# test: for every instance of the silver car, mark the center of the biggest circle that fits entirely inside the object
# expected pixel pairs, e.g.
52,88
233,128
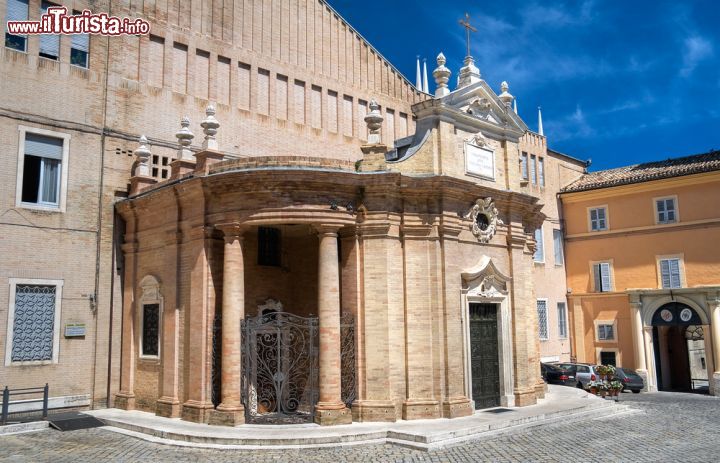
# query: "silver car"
584,373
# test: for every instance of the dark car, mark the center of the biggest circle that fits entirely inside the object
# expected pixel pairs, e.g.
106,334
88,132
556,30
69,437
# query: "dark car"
629,379
553,374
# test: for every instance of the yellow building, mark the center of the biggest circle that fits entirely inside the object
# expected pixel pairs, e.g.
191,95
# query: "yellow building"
643,270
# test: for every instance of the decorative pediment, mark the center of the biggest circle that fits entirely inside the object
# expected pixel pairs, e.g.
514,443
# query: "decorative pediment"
484,217
150,289
485,280
482,109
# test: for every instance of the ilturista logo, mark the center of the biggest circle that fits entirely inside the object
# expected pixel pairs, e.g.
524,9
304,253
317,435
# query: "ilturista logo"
58,21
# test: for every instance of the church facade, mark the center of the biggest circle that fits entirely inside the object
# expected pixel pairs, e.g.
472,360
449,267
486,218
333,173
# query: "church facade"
424,246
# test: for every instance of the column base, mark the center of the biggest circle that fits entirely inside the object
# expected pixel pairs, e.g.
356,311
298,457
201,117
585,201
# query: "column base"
195,411
540,389
524,397
125,400
168,407
374,410
227,416
715,384
421,409
328,414
457,407
644,375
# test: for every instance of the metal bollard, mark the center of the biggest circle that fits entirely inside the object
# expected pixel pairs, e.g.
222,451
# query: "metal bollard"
5,405
46,390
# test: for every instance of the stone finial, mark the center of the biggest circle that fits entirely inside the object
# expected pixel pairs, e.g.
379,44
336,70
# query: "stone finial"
210,126
142,154
469,73
374,120
442,76
185,138
504,96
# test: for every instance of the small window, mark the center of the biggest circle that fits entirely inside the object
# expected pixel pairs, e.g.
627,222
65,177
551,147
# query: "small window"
602,277
542,318
562,320
49,43
17,10
665,209
598,219
80,49
524,165
541,171
269,246
670,273
539,255
608,358
606,332
533,171
42,166
150,330
558,247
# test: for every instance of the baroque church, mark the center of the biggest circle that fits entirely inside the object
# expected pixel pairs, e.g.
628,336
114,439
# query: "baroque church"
341,245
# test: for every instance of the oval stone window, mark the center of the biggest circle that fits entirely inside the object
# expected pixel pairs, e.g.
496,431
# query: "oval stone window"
483,221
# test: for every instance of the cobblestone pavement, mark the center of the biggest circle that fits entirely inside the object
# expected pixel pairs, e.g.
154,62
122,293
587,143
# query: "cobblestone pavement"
668,427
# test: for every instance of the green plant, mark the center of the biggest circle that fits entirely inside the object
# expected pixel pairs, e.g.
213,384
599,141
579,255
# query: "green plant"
616,385
605,370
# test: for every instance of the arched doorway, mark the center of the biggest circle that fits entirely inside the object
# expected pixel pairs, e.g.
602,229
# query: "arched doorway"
679,349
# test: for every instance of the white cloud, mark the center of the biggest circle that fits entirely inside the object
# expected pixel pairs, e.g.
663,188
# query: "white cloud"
695,50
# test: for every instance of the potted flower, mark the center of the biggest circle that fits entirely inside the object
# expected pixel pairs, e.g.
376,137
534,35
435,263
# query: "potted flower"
615,387
593,386
603,388
605,371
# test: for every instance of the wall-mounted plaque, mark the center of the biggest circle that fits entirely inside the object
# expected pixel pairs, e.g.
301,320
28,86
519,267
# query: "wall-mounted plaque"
479,161
74,330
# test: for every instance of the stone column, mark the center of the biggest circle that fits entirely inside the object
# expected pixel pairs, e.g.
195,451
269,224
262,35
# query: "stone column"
231,412
330,409
125,398
649,348
638,339
714,306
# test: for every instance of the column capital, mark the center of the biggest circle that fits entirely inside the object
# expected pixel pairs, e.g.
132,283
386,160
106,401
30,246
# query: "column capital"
232,231
327,229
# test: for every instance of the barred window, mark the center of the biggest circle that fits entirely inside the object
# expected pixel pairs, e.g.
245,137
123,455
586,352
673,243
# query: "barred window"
150,330
33,322
562,320
542,318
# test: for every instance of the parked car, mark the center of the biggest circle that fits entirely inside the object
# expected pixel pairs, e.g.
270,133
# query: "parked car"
583,372
630,380
553,374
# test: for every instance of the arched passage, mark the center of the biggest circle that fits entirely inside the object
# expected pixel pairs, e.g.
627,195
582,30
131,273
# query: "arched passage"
679,348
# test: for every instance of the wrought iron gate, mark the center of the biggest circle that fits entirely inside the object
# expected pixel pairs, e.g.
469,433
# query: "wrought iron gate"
280,368
347,359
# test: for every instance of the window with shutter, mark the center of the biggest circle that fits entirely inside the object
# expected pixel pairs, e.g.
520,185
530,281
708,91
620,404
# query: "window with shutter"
539,255
665,210
558,247
17,10
42,165
80,49
670,273
598,219
606,332
49,43
602,277
562,320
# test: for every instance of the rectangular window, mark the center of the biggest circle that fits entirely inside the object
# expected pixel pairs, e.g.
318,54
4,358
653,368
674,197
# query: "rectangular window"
533,171
542,318
608,358
42,166
80,49
49,43
606,332
665,209
269,246
539,255
524,165
17,10
598,219
33,322
150,330
670,273
603,280
562,320
541,171
558,247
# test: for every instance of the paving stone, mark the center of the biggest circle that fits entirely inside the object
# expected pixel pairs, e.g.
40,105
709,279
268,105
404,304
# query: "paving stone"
668,427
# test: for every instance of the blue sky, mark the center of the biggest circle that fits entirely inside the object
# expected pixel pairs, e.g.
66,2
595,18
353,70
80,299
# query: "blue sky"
619,82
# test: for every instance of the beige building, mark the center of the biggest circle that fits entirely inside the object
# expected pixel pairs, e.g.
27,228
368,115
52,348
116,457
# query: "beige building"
286,80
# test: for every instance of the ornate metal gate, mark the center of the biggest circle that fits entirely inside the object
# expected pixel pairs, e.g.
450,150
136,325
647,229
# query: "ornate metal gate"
347,359
280,368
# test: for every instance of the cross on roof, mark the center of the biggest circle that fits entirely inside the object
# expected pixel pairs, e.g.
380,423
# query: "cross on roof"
468,28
